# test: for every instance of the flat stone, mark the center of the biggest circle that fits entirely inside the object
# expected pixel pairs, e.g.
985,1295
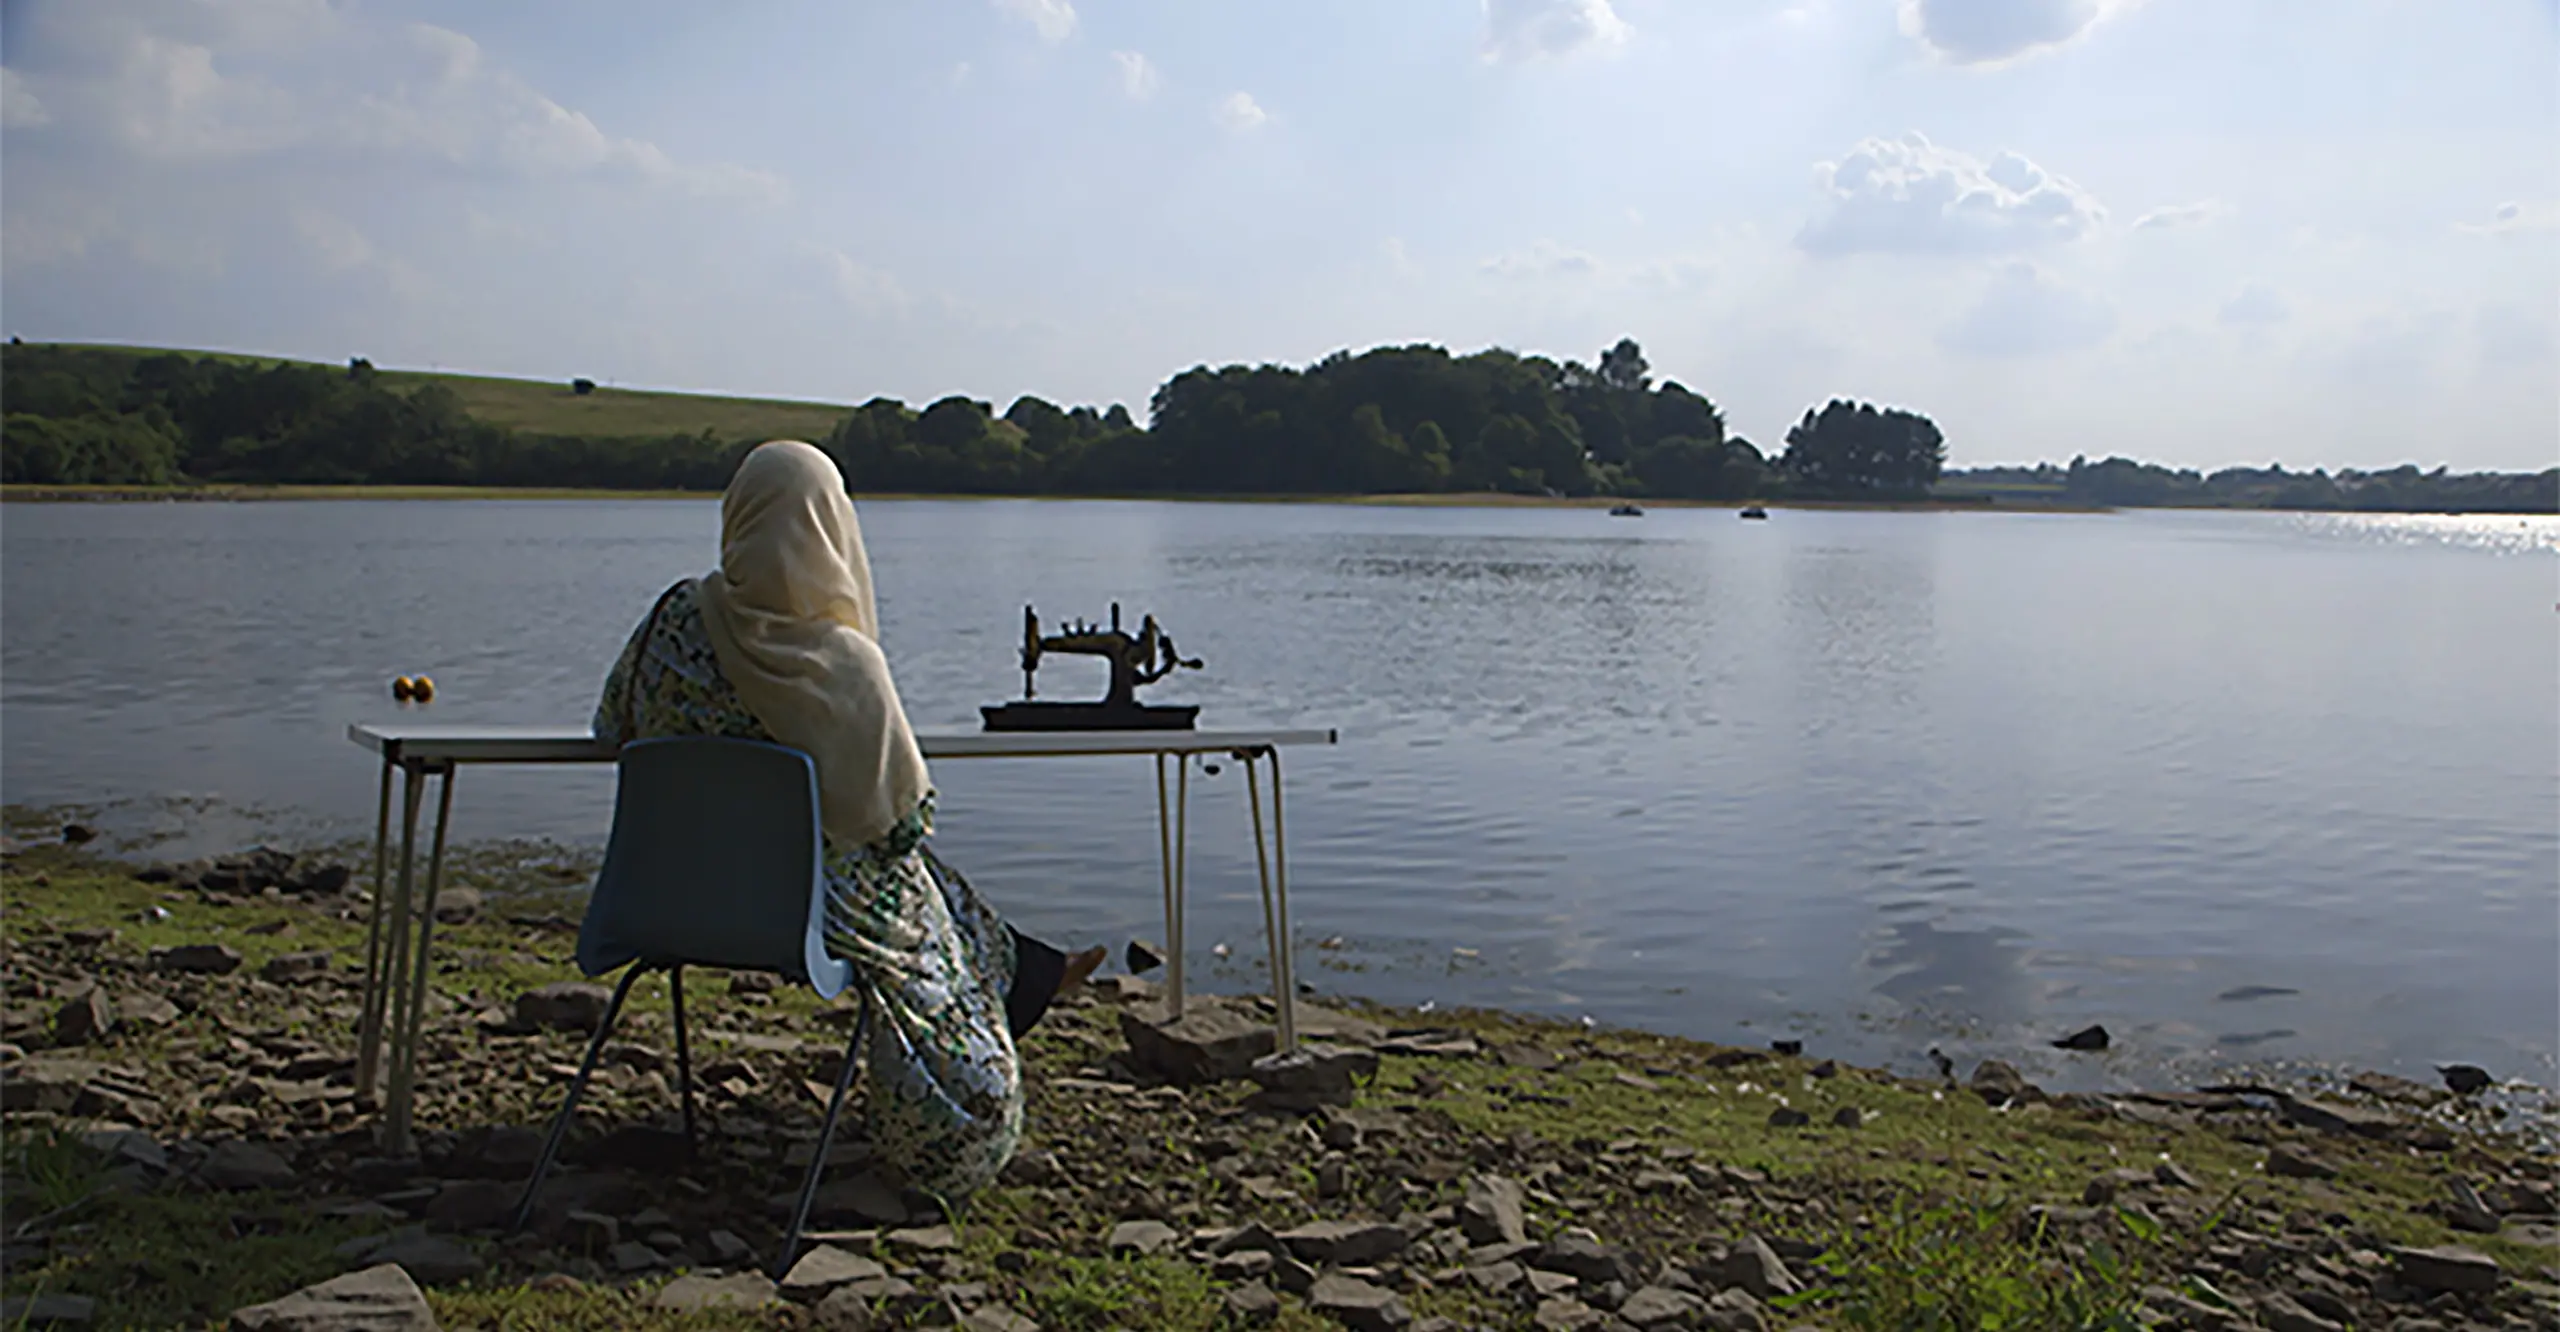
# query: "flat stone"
1495,1278
1734,1311
1313,1075
864,1197
197,959
1561,1314
2341,1117
1998,1083
633,1256
739,1290
926,1239
1253,1303
2447,1268
2282,1313
564,1006
295,968
848,1309
1213,1041
381,1298
235,1164
1752,1266
1145,1237
431,1260
2286,1162
457,905
1357,1304
48,1311
995,1318
1242,1265
1585,1257
826,1267
148,1010
1491,1212
125,1147
1344,1243
1655,1306
726,1247
1544,1283
473,1204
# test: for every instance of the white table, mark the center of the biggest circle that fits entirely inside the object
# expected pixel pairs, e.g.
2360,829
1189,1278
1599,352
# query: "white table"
396,949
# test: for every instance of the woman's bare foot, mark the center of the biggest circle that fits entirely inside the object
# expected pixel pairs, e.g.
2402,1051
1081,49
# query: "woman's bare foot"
1080,967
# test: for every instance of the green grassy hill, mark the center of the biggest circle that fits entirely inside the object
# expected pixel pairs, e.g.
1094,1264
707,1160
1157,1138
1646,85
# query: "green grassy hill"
549,407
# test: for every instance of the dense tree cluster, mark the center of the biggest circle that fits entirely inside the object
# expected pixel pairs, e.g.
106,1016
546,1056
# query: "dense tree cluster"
1391,420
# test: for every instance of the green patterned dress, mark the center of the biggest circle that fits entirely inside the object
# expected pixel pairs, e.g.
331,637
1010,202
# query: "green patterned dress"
944,1083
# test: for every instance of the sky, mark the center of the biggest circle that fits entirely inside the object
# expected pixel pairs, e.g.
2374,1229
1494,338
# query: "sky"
2200,232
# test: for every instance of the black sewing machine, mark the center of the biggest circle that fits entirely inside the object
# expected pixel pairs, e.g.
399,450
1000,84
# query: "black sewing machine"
1141,658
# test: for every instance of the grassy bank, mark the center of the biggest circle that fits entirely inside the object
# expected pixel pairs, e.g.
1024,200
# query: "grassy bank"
1642,1162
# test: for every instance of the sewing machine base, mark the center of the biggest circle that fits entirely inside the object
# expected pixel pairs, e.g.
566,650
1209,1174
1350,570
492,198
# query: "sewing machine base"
1091,717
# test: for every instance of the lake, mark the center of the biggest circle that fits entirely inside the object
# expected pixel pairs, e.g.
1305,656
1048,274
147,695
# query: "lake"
2276,791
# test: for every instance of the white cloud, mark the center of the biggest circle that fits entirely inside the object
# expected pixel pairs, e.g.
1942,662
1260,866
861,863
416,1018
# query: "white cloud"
2255,306
1542,260
1053,19
960,75
1397,258
2025,312
1994,32
19,108
1138,75
866,289
183,94
2174,216
1239,113
2541,215
1535,29
332,240
1909,195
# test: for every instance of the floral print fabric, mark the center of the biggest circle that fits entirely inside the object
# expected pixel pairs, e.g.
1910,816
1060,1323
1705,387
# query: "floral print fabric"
944,1084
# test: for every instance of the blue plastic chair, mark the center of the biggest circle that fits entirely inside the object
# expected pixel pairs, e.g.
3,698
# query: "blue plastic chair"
716,859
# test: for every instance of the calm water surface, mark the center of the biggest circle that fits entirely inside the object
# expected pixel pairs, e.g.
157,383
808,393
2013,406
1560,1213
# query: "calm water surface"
2245,788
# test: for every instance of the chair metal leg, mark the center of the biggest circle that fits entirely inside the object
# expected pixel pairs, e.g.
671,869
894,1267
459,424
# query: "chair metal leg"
577,1088
684,1052
853,1053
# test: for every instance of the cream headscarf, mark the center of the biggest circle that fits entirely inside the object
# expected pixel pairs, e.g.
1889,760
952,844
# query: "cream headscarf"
791,618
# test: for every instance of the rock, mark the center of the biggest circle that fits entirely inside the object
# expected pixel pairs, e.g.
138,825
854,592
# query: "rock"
824,1268
295,968
1314,1075
741,1290
1495,1278
1735,1311
2466,1211
124,1147
2170,1174
47,1311
457,905
2387,1087
2285,1162
1563,1314
1787,1116
1141,1237
2465,1079
148,1010
727,1248
1253,1303
1214,1040
1357,1304
563,1006
2446,1268
2087,1038
234,1164
1584,1257
1142,957
1848,1117
1998,1083
2341,1117
497,1151
86,1018
632,1256
2281,1313
864,1198
1252,1235
475,1204
1544,1284
1343,1243
197,959
322,880
1242,1265
924,1239
431,1259
996,1318
1491,1212
847,1310
1656,1306
1752,1266
381,1298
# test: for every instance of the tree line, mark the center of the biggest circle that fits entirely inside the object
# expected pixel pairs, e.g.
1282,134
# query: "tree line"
1408,419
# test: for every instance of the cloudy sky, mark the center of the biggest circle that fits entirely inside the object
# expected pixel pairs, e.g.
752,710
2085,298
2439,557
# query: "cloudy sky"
2317,232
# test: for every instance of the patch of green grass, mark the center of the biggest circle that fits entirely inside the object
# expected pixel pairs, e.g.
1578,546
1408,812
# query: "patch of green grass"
587,1309
1983,1266
184,1260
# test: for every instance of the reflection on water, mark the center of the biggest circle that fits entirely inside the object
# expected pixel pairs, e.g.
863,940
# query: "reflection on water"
1892,779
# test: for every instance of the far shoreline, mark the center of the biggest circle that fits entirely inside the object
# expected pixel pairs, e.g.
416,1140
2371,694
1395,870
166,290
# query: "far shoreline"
24,493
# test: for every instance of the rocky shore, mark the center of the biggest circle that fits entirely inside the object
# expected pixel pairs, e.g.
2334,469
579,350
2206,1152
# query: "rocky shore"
186,1148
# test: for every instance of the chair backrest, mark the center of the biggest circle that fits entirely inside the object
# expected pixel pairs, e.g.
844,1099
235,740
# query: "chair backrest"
717,860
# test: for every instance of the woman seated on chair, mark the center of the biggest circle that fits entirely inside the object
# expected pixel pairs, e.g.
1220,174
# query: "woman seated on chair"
781,644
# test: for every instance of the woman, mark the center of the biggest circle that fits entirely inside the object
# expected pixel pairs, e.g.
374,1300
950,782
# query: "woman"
781,644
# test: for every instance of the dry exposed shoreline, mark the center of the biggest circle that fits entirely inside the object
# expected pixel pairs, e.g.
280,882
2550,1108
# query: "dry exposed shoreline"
1439,1170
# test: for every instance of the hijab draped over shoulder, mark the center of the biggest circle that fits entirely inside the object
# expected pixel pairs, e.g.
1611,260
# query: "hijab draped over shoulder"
790,616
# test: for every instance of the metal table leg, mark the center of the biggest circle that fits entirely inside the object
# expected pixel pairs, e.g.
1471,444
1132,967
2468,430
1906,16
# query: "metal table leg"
369,1024
1173,827
1275,894
386,1008
404,1037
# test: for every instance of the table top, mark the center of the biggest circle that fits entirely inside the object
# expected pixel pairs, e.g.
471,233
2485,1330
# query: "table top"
464,743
